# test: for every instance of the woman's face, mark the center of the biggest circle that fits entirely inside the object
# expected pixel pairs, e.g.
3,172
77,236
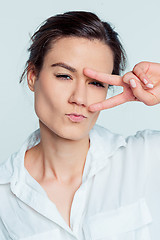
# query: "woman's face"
62,90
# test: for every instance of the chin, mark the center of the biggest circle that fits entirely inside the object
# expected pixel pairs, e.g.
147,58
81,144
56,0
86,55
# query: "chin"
73,133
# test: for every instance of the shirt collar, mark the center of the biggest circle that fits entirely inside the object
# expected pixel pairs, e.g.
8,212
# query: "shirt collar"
103,144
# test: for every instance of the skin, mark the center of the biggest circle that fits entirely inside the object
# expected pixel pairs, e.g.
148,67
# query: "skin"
60,156
141,84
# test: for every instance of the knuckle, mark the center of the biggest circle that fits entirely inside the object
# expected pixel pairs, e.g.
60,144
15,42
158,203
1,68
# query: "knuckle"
141,75
140,64
139,67
148,103
128,76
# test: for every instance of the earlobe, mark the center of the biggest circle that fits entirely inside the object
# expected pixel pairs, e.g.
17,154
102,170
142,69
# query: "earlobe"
31,78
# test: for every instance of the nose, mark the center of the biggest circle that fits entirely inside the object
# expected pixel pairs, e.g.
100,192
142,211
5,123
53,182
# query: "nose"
79,94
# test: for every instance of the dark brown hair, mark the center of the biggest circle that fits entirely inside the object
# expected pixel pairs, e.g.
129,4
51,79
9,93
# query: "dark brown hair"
77,24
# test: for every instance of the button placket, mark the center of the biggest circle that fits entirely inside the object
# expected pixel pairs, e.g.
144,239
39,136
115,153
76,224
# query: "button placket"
78,207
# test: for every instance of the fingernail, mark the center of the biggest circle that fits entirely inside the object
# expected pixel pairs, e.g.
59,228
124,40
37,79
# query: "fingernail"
132,83
149,85
145,81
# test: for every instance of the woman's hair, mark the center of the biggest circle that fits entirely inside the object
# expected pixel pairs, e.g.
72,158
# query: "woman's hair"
73,24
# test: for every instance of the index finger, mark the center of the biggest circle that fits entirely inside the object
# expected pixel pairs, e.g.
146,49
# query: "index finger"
109,103
104,77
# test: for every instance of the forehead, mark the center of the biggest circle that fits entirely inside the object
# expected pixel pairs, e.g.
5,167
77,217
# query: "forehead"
80,53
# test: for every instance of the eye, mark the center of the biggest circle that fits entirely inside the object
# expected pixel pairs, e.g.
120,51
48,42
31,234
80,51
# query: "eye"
63,76
97,84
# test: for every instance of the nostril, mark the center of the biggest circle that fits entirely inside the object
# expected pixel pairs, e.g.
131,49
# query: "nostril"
79,98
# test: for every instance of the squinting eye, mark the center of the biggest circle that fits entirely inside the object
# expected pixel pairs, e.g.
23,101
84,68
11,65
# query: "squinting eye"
63,76
97,84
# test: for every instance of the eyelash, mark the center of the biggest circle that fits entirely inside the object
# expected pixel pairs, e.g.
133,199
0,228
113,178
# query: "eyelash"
95,83
63,76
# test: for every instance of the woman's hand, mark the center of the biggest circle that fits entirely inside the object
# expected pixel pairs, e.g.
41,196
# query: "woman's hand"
141,84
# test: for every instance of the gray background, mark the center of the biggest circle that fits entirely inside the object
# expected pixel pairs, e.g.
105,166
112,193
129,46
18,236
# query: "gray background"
137,22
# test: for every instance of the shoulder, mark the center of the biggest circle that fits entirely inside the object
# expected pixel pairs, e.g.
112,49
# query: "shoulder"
12,166
7,169
148,140
105,142
142,136
141,143
104,134
145,135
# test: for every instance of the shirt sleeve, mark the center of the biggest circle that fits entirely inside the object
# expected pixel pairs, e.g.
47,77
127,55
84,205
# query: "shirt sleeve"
151,143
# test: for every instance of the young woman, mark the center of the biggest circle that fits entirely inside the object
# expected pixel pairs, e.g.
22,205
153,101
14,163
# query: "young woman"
73,179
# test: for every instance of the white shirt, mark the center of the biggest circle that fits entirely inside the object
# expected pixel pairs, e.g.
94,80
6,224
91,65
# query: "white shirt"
119,198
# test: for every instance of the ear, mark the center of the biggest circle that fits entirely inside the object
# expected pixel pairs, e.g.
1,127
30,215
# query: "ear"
31,77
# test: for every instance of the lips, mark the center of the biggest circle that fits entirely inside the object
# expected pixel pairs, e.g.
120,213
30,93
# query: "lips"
75,114
74,117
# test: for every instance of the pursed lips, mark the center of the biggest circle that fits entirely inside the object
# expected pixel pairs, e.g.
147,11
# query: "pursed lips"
76,118
75,114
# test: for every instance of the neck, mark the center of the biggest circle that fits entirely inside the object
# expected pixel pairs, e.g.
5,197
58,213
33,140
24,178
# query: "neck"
61,159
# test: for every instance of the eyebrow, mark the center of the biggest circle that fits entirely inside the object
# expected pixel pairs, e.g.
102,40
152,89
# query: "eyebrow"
64,65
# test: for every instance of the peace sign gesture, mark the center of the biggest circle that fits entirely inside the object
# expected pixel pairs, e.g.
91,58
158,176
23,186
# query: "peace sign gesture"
141,84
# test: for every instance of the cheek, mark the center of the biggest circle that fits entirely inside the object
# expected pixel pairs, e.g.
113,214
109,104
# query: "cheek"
96,95
48,99
93,119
